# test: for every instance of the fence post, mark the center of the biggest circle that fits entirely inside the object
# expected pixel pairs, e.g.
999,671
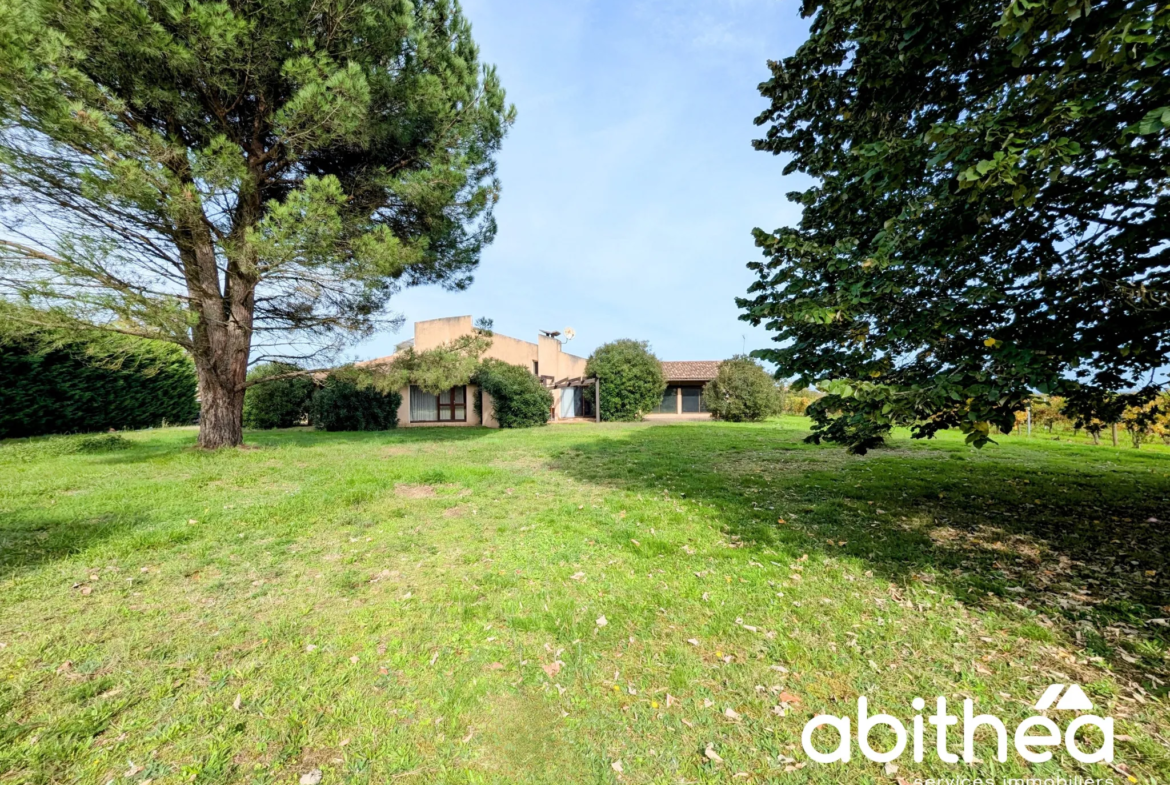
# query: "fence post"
1029,420
596,399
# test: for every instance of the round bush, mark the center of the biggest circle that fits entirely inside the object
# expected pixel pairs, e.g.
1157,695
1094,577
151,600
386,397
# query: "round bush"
280,403
520,400
631,379
742,391
342,404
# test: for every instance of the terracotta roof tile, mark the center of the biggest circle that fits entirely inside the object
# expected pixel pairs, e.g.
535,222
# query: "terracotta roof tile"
690,370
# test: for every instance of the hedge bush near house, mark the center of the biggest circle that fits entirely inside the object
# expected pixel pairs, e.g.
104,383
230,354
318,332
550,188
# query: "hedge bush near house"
346,403
280,403
631,379
56,383
520,400
742,391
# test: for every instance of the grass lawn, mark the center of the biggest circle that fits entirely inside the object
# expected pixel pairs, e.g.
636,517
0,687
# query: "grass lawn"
427,605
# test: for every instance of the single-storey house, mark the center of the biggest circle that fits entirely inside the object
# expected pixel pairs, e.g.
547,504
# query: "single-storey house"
684,389
562,373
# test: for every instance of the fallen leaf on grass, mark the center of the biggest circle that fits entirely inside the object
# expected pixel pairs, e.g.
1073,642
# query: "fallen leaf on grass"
788,697
711,755
496,666
731,714
133,771
578,576
311,778
693,641
602,621
553,668
238,701
891,769
616,766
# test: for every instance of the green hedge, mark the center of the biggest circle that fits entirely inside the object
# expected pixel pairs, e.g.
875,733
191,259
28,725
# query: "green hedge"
519,399
345,403
91,382
281,403
631,379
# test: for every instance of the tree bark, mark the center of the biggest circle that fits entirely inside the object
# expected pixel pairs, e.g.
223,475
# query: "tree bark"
221,338
221,410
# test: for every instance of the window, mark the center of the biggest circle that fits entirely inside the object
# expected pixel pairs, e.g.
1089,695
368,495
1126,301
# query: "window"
447,406
668,405
692,400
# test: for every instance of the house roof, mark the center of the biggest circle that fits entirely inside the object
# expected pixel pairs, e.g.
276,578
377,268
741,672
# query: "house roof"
690,370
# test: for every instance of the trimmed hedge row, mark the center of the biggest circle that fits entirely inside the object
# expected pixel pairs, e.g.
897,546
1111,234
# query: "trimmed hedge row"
91,383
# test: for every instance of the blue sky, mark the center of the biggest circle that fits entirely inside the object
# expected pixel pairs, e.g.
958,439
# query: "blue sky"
630,186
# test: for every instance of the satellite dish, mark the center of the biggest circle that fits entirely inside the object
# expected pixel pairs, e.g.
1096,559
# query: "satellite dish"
570,333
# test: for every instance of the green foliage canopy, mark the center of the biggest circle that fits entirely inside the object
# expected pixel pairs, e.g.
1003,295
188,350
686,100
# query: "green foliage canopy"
241,175
990,214
631,379
518,397
742,391
278,396
436,369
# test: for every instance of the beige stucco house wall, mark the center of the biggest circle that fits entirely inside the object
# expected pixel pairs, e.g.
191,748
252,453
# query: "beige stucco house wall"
545,358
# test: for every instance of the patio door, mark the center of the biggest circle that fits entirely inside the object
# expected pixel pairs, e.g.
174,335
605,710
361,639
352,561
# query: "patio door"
570,402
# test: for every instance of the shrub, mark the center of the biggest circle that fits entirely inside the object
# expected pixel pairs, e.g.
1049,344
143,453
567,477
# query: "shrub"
345,403
742,391
520,400
631,379
281,403
797,400
54,382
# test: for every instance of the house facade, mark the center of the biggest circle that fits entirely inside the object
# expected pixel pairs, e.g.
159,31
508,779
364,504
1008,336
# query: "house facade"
683,397
562,373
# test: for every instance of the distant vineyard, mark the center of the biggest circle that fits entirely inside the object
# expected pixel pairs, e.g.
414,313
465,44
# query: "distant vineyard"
1135,425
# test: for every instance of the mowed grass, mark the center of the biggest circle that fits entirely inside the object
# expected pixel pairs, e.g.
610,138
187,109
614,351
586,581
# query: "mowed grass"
424,605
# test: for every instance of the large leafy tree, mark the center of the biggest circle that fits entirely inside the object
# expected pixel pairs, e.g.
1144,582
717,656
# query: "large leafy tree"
989,214
249,179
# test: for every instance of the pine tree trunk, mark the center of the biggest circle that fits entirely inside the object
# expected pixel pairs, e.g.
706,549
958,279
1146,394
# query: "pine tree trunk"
221,341
221,411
